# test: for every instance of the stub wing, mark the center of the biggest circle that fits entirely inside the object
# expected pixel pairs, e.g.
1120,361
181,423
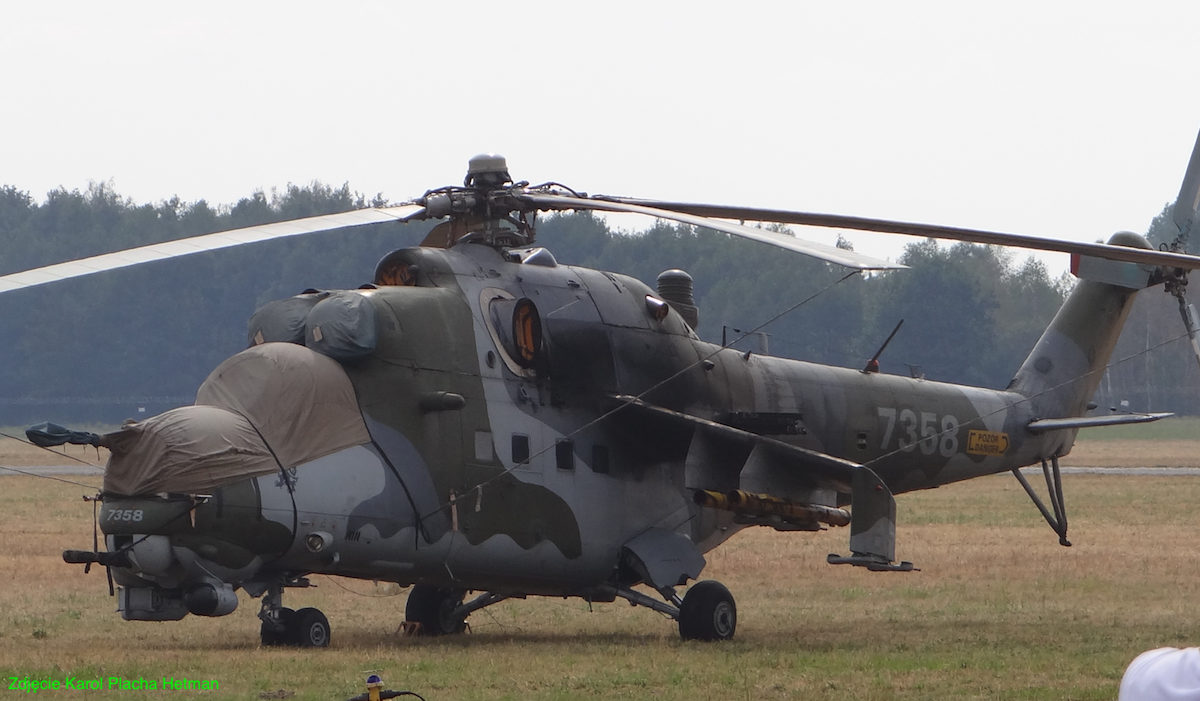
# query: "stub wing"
709,466
769,482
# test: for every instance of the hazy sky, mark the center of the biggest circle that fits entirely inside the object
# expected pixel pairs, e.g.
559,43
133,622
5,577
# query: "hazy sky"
1067,119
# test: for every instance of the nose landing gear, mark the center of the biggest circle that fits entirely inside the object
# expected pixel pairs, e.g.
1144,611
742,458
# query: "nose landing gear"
283,627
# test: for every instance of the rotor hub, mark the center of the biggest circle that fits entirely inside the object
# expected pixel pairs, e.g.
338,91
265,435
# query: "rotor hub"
487,170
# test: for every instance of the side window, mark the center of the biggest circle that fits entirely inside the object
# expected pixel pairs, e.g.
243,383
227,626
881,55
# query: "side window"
564,455
600,458
516,328
520,448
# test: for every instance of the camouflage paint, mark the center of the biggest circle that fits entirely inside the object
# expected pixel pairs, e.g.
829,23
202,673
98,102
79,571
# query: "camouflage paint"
442,496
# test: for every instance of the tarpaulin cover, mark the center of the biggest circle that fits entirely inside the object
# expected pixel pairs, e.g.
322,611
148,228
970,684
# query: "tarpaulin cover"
343,326
301,402
190,449
282,321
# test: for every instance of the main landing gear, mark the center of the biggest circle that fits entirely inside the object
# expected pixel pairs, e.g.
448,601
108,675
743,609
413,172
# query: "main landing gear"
707,612
441,611
283,627
434,609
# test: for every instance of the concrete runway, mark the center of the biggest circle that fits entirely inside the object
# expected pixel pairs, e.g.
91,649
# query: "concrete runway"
1143,471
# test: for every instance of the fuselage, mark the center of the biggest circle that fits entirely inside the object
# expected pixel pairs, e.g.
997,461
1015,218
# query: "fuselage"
499,457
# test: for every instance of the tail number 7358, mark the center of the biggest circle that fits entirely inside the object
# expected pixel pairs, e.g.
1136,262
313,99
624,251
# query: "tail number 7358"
924,431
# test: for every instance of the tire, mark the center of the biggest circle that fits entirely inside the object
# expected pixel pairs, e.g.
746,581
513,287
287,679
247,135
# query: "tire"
310,628
274,635
708,613
432,607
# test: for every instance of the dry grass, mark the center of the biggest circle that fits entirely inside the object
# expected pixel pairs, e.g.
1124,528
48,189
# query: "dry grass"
1000,611
1135,453
1173,442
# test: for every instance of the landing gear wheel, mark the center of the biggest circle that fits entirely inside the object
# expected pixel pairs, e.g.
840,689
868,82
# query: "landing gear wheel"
433,607
310,628
708,613
275,634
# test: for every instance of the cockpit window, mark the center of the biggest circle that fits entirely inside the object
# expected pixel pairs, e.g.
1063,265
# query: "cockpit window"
516,329
527,332
397,273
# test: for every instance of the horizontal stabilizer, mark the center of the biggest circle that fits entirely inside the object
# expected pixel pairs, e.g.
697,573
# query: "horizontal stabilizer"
1043,425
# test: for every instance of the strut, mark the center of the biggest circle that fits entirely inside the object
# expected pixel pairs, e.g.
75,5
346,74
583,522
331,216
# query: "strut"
1057,520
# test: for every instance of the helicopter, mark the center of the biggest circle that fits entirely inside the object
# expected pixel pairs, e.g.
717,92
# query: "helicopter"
482,418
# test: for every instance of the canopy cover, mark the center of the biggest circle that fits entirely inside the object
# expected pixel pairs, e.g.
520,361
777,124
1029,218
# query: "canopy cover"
282,320
276,398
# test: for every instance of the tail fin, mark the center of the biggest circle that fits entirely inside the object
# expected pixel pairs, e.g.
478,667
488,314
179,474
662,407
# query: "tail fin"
1060,376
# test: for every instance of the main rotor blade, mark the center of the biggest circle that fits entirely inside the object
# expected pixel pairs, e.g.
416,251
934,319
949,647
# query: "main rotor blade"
838,221
1184,212
830,254
207,242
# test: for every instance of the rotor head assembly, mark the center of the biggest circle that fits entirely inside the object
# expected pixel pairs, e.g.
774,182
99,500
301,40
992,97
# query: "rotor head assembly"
487,170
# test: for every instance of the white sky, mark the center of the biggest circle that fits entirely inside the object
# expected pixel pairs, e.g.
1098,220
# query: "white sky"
1067,119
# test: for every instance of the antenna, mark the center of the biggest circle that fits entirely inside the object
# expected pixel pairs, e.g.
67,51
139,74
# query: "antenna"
873,363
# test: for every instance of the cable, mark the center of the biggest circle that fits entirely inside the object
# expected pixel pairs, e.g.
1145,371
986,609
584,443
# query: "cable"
389,694
49,477
343,587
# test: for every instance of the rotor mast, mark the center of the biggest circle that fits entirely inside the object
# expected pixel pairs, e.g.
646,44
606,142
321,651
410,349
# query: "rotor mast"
484,210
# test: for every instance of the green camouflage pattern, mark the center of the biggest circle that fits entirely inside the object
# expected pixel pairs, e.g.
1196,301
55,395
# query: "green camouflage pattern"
526,459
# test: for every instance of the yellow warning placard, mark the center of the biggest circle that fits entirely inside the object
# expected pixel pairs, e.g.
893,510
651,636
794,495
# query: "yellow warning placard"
987,443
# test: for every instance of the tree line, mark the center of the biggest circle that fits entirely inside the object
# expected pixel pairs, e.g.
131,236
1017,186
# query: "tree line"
100,348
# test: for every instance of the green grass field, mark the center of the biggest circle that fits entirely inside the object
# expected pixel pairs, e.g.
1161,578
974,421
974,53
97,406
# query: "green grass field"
999,611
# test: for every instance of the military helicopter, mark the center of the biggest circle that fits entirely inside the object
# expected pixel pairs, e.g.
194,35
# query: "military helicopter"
482,418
